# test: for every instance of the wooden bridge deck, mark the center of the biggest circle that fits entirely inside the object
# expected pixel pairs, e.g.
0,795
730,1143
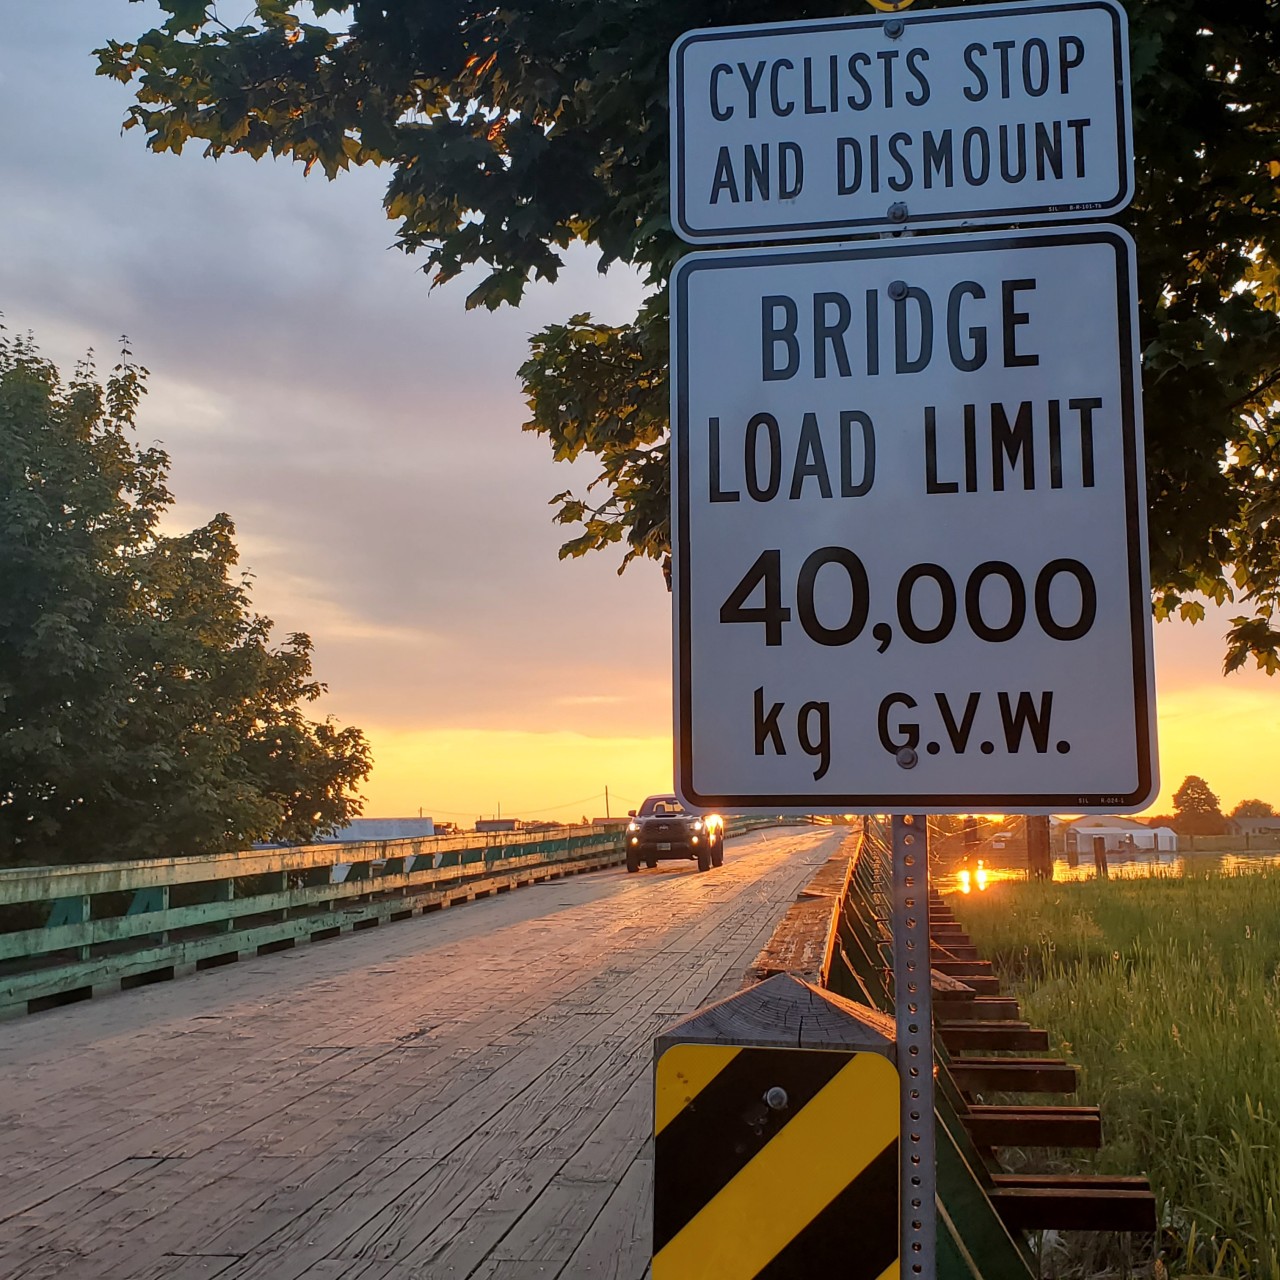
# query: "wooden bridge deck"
461,1095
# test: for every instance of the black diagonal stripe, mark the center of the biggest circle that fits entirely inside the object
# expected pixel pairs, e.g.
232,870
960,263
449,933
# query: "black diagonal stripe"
725,1125
855,1236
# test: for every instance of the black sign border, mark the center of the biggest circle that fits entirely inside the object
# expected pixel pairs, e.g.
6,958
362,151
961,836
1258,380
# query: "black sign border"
1139,596
981,216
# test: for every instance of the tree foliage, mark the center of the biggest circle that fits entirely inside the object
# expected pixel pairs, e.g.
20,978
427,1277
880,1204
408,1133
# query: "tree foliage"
511,131
1196,810
143,710
1253,809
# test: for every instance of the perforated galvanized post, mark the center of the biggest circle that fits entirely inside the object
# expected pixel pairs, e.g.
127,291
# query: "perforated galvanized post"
913,1010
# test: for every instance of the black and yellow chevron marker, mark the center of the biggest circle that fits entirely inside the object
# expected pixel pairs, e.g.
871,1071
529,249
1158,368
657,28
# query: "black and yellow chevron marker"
775,1164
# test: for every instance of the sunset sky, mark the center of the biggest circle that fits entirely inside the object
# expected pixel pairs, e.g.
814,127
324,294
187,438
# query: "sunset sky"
364,433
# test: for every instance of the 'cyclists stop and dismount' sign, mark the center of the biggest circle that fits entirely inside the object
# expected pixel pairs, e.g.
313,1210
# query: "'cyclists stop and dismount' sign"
987,114
909,534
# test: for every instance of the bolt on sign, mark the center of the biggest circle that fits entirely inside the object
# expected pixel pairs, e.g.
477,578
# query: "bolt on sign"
748,1184
910,564
999,113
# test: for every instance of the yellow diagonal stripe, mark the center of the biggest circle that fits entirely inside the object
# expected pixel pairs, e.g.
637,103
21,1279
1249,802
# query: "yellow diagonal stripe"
683,1072
812,1159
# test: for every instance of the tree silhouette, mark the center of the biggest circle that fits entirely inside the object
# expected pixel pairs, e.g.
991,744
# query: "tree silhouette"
1253,809
1196,810
144,711
511,130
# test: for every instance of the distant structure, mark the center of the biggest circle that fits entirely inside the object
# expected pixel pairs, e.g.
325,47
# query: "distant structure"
490,825
360,829
1253,826
1121,834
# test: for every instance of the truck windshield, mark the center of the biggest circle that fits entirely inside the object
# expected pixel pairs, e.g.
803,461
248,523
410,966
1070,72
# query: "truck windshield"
661,807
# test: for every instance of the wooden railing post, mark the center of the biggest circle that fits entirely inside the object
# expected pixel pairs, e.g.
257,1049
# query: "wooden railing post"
770,1107
1100,856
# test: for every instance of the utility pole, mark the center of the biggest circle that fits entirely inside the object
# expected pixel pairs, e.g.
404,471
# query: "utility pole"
606,800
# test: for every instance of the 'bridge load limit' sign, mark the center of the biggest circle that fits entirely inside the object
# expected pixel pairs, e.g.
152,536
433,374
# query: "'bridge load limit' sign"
908,524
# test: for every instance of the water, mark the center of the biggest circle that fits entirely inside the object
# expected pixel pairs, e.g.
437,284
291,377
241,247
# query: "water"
998,868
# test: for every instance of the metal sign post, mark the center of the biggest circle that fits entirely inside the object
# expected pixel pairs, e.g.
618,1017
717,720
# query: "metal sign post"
913,1010
908,503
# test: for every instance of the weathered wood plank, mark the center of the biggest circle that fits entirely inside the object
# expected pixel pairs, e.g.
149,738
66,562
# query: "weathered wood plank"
993,1126
988,1037
786,1012
516,1269
803,941
508,1044
1076,1209
617,1244
192,1266
832,879
1013,1075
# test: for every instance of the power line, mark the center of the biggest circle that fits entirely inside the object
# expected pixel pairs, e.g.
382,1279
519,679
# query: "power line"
568,804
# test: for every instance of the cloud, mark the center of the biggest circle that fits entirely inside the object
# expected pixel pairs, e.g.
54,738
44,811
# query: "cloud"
361,428
363,432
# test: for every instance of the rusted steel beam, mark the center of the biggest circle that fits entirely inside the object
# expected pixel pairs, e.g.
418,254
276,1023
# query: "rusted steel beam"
988,1037
983,1009
1076,1208
963,969
1077,1127
983,985
954,951
1013,1075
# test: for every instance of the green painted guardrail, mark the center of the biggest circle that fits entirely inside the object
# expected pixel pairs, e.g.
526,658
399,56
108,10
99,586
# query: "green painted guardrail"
69,932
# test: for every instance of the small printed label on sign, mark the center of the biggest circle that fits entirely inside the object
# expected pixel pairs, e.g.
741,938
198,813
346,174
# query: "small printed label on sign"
910,560
999,113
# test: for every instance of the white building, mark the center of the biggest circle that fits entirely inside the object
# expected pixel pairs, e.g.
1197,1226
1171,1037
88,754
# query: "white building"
1253,826
362,829
1121,835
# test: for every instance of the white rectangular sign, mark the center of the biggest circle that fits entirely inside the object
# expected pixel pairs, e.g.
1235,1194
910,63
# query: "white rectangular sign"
909,526
806,130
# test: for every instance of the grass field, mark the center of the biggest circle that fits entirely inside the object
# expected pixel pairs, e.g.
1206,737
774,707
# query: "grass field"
1167,993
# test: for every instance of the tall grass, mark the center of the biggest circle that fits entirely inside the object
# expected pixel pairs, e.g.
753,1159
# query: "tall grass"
1167,993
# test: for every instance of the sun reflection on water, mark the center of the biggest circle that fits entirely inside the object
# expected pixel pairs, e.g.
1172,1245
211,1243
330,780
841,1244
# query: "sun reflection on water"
1120,866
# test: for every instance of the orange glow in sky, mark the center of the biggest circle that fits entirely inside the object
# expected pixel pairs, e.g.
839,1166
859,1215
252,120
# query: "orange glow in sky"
1225,729
458,775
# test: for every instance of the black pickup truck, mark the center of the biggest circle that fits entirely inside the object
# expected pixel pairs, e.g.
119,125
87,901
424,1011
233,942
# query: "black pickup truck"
663,828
